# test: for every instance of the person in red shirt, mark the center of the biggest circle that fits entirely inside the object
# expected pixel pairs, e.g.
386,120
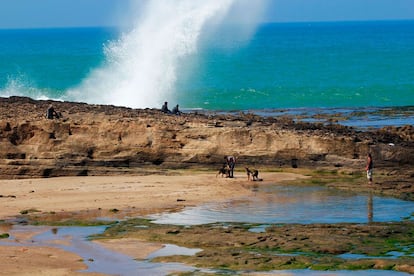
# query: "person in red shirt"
369,167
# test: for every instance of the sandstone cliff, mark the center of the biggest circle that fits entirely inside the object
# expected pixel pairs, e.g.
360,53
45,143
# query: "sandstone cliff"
99,140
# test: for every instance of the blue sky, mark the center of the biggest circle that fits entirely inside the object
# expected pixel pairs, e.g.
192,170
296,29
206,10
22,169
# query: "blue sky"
75,13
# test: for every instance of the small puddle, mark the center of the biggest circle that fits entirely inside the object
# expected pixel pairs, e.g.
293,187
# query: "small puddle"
171,249
295,204
389,255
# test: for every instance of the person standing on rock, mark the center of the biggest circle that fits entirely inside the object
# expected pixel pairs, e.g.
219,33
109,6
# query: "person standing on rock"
231,162
369,167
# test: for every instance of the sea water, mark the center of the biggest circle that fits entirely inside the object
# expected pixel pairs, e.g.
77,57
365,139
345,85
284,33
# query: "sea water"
291,65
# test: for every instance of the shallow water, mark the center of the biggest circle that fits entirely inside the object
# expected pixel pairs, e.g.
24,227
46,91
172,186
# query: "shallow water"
361,118
96,257
295,204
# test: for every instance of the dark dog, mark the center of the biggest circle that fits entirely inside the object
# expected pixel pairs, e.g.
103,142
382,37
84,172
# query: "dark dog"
224,171
252,175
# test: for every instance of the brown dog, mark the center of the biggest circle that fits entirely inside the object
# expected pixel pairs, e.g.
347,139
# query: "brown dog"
252,175
224,171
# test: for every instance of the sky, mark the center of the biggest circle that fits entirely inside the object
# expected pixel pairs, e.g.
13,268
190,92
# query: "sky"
87,13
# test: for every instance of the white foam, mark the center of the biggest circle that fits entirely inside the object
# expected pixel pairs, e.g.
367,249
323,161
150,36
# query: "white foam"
21,86
142,67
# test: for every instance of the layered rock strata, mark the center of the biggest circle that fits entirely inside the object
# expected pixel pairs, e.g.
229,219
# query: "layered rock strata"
102,139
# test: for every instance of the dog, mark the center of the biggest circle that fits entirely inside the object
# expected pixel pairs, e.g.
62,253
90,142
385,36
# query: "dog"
252,175
224,171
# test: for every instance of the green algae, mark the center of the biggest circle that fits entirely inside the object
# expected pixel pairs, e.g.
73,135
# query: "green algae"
81,223
53,219
231,246
28,211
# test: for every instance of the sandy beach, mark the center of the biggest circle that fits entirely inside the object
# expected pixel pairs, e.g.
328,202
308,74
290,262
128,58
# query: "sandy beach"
97,196
138,194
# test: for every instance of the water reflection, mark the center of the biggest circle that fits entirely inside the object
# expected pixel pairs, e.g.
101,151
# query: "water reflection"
295,204
370,208
171,249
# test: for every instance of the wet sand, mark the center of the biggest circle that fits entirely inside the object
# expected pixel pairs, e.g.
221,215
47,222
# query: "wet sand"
18,260
100,196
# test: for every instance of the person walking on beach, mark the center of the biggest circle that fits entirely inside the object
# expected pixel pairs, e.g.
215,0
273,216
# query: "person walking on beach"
231,162
369,168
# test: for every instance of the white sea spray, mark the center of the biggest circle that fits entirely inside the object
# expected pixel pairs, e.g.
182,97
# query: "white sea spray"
142,66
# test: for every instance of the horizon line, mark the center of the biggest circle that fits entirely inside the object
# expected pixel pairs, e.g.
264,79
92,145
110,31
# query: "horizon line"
260,23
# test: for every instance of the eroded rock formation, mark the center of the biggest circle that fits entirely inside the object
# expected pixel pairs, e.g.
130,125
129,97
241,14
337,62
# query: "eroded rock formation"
99,139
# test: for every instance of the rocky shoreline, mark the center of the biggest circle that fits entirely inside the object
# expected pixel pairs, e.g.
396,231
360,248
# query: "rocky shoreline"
110,140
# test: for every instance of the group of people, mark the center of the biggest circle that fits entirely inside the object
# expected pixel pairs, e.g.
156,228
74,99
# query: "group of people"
175,110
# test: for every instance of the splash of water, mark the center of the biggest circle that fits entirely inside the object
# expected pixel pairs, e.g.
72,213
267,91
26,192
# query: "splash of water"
141,67
22,86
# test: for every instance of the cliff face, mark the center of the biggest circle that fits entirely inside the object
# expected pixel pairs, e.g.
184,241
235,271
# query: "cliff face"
96,140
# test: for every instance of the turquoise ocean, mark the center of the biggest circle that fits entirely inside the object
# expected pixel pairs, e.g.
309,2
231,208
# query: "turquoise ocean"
281,66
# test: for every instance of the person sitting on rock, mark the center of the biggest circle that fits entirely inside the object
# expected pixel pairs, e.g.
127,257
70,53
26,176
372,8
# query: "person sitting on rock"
165,109
176,111
51,113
